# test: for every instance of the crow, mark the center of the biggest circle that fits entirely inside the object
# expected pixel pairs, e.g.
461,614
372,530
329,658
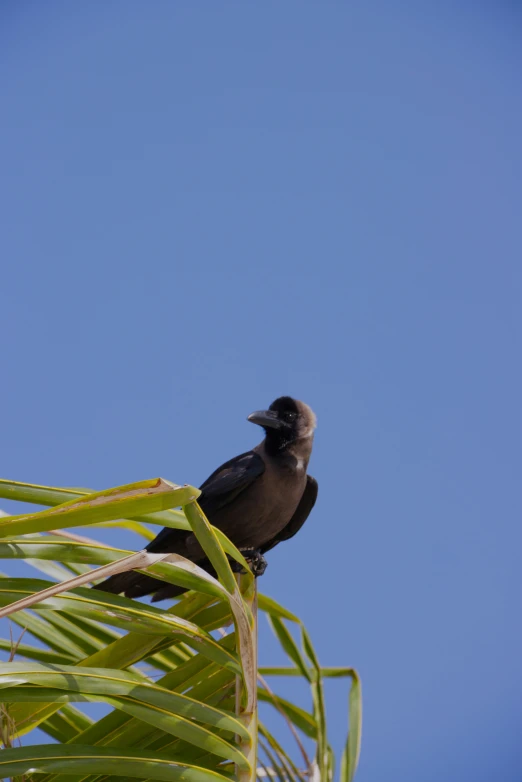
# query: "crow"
258,499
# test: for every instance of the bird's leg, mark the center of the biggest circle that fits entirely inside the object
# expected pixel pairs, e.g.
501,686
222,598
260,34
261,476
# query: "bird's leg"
258,564
256,560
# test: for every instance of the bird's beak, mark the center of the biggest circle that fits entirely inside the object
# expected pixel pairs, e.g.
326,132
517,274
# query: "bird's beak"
266,418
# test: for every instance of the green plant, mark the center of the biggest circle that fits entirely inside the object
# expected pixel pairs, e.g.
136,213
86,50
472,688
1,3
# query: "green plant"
182,684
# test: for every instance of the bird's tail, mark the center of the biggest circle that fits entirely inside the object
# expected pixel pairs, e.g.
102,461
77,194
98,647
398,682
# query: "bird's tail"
134,585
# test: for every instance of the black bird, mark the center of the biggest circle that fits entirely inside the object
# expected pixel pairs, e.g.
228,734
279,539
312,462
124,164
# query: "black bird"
257,499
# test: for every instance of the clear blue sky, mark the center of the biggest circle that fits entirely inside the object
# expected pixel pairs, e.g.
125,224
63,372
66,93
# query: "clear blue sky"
206,205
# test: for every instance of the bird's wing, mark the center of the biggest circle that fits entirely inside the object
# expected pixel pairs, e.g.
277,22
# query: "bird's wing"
220,488
301,514
229,480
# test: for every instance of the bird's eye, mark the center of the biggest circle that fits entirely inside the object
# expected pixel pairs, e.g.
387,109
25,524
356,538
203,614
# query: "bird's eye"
290,416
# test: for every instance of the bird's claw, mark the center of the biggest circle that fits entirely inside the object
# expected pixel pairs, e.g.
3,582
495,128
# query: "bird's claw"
255,559
258,564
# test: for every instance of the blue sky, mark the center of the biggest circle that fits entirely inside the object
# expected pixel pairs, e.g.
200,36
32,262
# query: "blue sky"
208,205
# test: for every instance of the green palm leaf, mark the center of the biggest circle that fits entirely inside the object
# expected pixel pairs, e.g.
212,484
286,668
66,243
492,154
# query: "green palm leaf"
182,703
76,758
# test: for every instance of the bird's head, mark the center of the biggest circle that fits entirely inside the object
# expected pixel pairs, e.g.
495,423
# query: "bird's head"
286,421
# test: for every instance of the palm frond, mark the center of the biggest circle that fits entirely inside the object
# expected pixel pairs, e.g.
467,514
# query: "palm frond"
182,703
